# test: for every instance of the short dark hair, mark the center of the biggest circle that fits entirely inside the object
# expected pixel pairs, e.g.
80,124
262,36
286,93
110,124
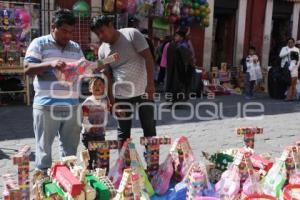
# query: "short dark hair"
100,21
93,81
290,38
63,16
181,33
252,48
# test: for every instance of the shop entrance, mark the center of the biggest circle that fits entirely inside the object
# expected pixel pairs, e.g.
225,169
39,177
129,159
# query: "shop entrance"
281,29
224,31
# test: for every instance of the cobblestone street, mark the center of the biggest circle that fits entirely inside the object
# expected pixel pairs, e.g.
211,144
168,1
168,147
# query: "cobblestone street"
280,123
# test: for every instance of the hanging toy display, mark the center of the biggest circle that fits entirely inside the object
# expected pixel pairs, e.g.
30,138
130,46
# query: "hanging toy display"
5,22
186,12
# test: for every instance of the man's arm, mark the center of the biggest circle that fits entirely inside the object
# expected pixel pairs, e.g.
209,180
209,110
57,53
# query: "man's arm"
284,52
146,54
108,74
38,68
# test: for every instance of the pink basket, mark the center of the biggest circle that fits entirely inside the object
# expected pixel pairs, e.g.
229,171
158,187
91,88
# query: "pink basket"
259,196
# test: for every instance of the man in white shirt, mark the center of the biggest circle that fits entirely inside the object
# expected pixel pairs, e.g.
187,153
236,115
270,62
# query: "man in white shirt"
285,52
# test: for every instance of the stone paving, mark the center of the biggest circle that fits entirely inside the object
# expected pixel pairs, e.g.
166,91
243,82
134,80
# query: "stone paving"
280,123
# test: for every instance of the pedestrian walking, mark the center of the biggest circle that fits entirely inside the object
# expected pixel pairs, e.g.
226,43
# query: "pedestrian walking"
163,60
285,52
294,66
179,68
252,69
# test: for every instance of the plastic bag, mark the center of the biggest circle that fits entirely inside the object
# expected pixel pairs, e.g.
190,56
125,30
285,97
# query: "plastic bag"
71,72
252,184
229,185
161,180
276,177
183,157
116,172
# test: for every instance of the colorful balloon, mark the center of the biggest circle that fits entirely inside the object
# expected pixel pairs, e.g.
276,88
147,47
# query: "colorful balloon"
196,5
25,19
202,14
81,8
185,11
206,21
207,10
190,20
197,19
202,2
202,8
197,12
191,12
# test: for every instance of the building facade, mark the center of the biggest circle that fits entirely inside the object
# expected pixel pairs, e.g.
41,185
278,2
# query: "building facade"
235,25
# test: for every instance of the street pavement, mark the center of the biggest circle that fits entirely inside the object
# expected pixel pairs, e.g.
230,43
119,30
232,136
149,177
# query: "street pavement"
279,120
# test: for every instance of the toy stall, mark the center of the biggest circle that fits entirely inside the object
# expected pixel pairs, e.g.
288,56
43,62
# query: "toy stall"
237,173
224,80
19,25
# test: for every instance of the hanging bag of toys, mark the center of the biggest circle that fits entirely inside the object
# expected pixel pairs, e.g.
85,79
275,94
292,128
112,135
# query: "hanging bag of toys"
229,185
183,158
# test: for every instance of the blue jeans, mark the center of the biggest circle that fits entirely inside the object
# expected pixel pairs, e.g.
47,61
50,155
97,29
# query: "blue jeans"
46,128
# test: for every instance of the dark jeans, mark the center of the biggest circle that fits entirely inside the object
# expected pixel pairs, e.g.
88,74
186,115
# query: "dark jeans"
146,117
249,86
86,138
161,75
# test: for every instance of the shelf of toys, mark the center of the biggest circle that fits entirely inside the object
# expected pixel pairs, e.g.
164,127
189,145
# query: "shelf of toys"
237,174
223,81
19,25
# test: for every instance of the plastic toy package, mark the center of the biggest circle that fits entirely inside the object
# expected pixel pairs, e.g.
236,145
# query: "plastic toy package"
73,70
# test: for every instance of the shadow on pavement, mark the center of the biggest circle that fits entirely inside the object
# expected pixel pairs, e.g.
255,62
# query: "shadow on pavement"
16,121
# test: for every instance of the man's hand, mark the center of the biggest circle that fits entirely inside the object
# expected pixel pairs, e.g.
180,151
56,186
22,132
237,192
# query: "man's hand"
58,64
150,90
99,69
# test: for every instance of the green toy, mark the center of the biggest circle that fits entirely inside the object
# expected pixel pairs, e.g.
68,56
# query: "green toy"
51,189
101,189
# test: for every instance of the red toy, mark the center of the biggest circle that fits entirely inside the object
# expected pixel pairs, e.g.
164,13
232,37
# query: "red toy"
66,180
259,162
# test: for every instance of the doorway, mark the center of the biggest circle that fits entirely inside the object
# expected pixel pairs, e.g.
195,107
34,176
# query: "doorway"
281,29
224,31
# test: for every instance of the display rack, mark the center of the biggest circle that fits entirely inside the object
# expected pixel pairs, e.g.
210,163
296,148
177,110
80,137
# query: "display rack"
19,25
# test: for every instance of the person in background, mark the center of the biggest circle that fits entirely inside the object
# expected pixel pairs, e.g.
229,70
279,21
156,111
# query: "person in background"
54,105
133,74
253,72
191,46
179,67
294,66
285,52
149,41
163,60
